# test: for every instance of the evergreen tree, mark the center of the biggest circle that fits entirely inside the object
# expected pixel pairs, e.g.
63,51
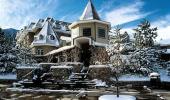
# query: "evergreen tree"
119,45
24,54
8,58
145,35
147,54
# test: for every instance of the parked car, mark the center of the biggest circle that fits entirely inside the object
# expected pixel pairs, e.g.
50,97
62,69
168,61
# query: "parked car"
154,75
155,80
168,71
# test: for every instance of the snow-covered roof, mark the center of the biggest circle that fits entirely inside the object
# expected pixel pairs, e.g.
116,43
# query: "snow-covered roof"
60,49
60,67
74,63
46,36
98,66
154,74
90,12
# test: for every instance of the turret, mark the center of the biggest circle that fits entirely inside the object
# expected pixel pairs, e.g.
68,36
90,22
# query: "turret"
90,29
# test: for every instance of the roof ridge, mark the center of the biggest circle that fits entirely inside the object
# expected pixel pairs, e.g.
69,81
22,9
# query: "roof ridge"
89,12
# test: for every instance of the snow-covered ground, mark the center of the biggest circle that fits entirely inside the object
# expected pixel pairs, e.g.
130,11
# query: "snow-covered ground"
128,77
114,97
8,76
164,76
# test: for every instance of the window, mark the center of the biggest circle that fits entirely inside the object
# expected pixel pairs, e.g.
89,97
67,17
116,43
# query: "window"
41,37
39,52
52,37
87,32
101,33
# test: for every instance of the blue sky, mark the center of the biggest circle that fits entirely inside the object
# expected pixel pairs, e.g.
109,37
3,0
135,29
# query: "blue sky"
128,13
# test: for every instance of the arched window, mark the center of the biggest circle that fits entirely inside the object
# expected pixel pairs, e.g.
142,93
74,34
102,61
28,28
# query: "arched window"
41,37
52,37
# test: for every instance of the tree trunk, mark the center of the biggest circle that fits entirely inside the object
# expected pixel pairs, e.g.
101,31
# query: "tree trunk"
117,86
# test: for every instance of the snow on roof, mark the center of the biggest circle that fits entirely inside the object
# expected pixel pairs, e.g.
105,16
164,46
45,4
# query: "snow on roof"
90,12
98,66
46,36
60,67
114,97
154,74
60,49
26,67
76,63
46,63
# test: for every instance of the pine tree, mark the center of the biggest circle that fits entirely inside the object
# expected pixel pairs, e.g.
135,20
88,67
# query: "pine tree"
145,35
147,54
8,57
117,46
24,54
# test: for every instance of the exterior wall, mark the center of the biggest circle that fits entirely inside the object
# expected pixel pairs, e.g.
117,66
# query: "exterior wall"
102,40
78,31
88,25
46,49
74,32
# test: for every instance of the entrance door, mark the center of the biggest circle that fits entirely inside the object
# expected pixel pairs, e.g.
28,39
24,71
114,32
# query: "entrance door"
85,54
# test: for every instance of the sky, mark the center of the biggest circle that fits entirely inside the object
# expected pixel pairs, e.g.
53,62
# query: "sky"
127,13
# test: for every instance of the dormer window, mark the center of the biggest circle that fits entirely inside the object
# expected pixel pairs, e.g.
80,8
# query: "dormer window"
101,33
86,31
41,37
52,37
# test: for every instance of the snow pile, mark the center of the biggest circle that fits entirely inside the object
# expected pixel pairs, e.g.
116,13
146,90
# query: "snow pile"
99,83
98,66
114,97
154,74
60,50
168,51
163,75
129,77
58,67
8,76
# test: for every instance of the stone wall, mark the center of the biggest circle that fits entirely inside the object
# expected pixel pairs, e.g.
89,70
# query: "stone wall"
61,72
70,55
77,66
25,73
99,55
102,72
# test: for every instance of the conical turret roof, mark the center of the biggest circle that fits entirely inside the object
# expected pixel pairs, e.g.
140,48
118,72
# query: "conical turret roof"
46,36
90,12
